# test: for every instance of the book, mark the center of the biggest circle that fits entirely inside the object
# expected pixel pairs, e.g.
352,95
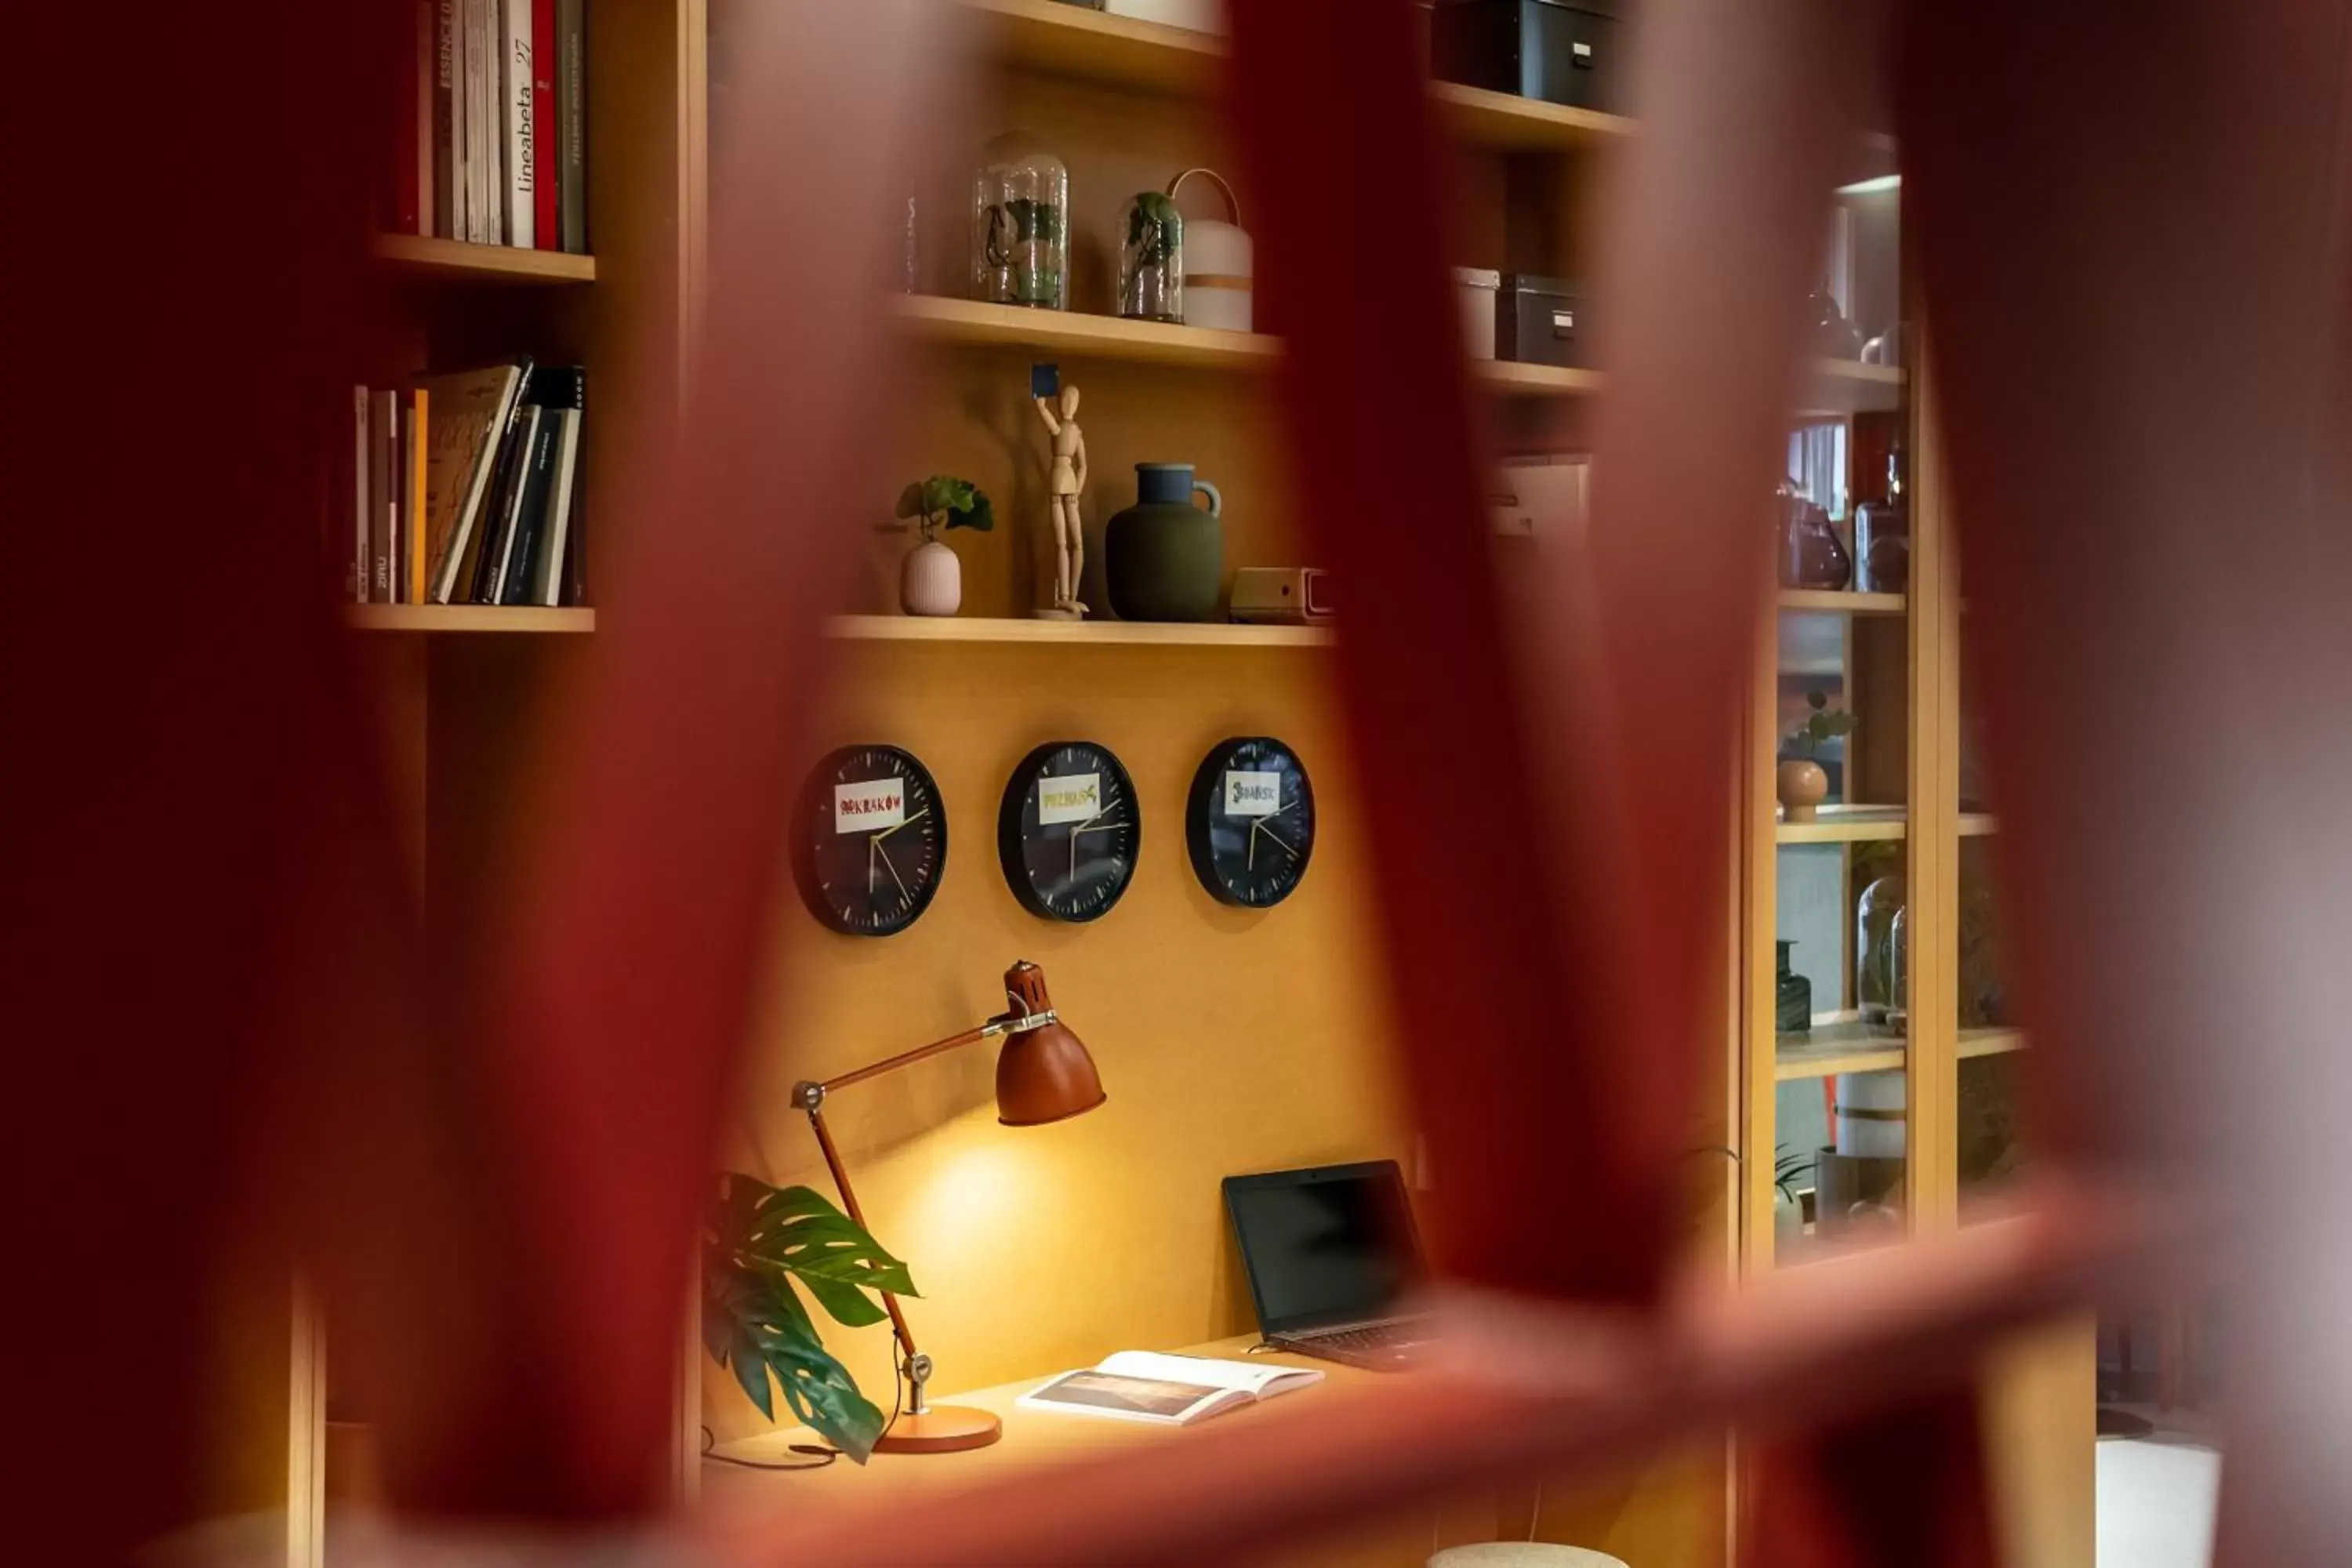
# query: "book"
546,222
514,118
506,497
572,124
418,146
470,412
395,499
448,146
401,215
551,573
1166,1390
359,523
479,71
383,424
414,490
531,508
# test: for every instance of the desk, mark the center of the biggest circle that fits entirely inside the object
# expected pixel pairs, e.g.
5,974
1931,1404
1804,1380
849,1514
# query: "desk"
1035,1438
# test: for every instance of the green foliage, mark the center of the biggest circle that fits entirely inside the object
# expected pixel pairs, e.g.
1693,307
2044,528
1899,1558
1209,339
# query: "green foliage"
1035,222
1154,229
945,502
1788,1169
757,1242
1819,727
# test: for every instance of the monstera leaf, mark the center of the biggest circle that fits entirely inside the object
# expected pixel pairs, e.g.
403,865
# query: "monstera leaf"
758,1241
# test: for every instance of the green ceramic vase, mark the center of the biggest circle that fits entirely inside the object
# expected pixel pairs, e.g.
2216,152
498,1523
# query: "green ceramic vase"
1164,558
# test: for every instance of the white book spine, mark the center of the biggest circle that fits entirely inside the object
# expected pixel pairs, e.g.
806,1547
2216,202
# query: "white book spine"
480,120
363,458
547,586
514,99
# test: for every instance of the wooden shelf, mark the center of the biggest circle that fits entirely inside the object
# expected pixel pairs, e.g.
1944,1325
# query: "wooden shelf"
1844,824
1057,39
1978,823
450,618
1990,1042
453,259
1839,602
1077,334
967,629
1827,1049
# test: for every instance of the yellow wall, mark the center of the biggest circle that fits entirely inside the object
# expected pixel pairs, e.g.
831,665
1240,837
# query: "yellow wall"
1228,1040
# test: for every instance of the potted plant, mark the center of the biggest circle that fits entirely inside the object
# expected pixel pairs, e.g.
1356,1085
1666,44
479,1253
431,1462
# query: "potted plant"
930,579
1799,781
1788,1207
758,1243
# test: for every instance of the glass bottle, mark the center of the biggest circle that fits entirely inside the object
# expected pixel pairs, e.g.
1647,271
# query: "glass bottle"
1152,259
1792,1010
1811,555
1877,972
1020,226
1882,533
1898,972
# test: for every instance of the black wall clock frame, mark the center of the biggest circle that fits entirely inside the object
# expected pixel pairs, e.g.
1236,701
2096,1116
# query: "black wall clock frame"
1072,870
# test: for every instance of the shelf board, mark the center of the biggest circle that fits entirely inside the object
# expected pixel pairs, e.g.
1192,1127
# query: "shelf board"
967,629
1844,824
1840,601
1827,1049
1057,39
1078,335
507,618
1977,824
1990,1042
487,263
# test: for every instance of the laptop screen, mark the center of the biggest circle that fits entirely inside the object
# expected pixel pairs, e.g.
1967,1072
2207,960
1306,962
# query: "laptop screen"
1333,1244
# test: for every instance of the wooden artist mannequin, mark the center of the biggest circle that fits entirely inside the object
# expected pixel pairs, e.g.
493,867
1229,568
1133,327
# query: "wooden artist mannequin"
1069,478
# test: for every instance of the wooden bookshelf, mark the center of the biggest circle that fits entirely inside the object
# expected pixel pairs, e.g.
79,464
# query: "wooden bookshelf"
1837,388
1978,823
1990,1042
980,629
469,619
456,261
1844,824
1829,1048
1838,602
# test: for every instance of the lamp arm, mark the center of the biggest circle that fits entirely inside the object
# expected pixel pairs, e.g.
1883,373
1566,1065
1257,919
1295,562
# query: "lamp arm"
849,1201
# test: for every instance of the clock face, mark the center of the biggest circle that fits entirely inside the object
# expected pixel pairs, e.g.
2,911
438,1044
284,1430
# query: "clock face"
1249,823
1068,831
869,840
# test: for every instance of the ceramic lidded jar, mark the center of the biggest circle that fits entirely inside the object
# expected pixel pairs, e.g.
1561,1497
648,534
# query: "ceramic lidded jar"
1164,558
1020,226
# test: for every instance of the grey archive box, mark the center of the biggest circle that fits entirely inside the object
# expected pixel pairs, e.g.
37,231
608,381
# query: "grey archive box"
1542,321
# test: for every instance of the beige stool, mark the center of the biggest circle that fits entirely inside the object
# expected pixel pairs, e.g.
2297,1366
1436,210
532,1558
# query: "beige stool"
1522,1554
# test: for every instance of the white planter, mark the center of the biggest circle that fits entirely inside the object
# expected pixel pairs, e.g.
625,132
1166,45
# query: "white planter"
1201,15
931,580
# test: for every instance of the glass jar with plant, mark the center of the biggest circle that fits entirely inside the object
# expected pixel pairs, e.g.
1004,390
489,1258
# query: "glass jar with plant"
930,579
1798,781
758,1243
1020,242
1151,260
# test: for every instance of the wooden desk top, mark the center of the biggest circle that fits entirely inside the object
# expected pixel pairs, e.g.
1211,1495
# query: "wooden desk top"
1032,1437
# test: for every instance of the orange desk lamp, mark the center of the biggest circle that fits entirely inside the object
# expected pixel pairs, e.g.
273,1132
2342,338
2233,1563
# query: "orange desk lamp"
1043,1074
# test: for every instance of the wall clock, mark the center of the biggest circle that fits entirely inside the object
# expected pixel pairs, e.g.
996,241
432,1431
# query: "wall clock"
1249,823
1068,831
869,840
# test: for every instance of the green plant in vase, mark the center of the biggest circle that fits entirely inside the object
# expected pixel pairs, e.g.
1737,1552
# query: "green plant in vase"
761,1246
930,579
1799,781
1037,252
1151,271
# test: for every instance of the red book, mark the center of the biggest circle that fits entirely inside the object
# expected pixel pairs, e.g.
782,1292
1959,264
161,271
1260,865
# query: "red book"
547,233
402,218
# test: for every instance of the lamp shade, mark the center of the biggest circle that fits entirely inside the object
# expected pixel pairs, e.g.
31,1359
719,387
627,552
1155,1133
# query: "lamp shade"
1043,1073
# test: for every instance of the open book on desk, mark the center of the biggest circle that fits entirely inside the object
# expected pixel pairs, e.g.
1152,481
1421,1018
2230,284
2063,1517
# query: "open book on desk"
1166,1390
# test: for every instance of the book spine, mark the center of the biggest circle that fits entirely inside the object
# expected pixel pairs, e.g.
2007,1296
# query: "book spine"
362,528
420,118
554,554
448,147
396,495
500,561
546,223
417,489
499,511
572,120
514,106
481,140
382,424
530,516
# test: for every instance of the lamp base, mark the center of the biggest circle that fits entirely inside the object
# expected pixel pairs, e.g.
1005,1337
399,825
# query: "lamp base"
941,1429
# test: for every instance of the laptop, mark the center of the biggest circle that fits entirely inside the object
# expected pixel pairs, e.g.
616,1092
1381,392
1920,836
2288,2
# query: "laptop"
1334,1265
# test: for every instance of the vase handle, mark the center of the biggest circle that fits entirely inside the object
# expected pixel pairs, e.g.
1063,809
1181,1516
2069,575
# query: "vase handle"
1216,501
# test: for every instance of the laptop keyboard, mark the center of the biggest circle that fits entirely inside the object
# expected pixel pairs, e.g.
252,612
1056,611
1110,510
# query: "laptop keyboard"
1377,1347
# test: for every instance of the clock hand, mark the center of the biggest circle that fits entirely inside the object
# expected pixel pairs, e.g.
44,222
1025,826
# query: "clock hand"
917,817
1095,827
1250,864
869,866
1270,833
877,842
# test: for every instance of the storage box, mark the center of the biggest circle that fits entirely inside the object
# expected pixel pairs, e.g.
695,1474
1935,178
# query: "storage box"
1561,53
1478,290
1542,321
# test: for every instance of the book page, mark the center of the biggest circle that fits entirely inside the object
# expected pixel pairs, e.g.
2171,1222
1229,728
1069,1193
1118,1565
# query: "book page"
1257,1379
1129,1398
